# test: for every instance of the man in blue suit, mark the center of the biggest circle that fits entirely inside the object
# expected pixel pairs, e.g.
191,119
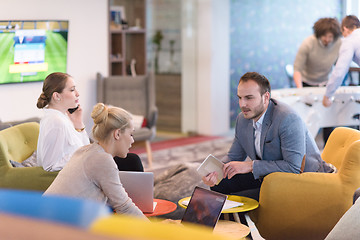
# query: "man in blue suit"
269,137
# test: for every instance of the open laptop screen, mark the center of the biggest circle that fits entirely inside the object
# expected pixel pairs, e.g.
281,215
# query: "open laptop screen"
204,207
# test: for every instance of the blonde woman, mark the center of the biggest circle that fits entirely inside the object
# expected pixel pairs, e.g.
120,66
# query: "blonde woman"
91,172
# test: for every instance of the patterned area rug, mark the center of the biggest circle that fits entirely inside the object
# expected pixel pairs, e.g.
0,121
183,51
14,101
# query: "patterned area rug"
175,175
187,153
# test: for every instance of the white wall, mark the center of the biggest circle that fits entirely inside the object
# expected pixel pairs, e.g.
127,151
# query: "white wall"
87,52
206,64
352,7
189,66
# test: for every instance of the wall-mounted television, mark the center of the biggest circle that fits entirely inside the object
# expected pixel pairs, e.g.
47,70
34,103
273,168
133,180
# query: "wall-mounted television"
31,50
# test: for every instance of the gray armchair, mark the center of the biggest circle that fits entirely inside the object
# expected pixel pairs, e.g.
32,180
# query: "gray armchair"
136,95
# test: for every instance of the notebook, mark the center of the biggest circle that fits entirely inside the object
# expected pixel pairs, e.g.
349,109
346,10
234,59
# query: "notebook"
204,207
140,188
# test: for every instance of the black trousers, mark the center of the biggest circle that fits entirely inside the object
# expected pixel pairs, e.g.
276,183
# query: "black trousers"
238,183
132,162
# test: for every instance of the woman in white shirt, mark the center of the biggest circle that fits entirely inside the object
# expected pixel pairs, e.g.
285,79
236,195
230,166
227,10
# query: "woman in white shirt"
61,133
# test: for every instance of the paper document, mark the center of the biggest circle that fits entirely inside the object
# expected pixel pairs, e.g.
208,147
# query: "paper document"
228,204
211,164
231,204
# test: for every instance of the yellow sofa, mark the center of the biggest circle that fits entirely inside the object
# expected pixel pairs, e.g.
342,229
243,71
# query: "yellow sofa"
308,205
17,143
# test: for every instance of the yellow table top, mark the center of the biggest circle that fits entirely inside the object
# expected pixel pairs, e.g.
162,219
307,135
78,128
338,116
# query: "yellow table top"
225,227
249,204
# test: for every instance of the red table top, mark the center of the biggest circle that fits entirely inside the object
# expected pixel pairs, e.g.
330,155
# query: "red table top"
162,207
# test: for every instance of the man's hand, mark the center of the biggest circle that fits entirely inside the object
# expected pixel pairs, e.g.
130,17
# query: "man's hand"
235,167
326,101
211,179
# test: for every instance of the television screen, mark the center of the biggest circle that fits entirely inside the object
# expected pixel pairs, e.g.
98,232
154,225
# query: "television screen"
31,50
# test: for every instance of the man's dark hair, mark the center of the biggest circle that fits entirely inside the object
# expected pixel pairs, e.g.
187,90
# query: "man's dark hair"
261,80
351,22
325,25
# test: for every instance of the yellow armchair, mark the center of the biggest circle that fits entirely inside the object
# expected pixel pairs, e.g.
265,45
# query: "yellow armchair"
17,143
308,205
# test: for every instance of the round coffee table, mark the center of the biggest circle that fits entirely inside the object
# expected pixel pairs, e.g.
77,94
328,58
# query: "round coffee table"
162,207
229,228
248,204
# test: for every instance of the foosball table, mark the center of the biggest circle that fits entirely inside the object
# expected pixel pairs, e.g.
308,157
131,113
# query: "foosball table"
307,102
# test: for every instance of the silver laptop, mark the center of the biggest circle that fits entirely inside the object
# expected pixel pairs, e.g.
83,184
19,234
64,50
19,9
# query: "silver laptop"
140,188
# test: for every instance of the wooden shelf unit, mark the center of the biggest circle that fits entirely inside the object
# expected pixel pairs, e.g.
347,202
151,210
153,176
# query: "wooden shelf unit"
130,43
168,101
